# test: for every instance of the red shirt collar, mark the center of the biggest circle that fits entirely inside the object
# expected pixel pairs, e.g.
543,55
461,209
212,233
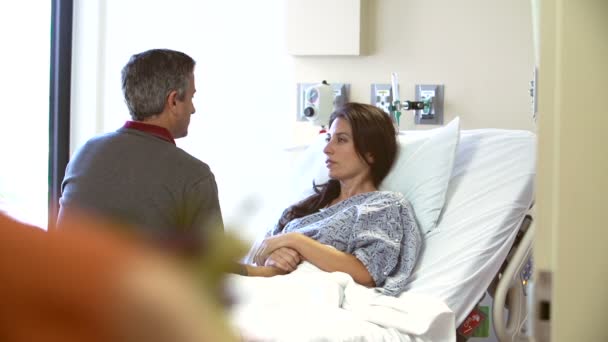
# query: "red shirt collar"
157,131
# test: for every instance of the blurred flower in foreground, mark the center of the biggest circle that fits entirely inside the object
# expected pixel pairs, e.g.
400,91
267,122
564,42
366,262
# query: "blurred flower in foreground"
83,283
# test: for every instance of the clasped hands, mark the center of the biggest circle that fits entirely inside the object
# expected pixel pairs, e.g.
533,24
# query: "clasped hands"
278,251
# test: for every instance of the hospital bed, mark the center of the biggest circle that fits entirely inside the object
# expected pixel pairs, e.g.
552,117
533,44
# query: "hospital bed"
481,244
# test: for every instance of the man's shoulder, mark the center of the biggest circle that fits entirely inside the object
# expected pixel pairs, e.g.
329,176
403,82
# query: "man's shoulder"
190,163
98,141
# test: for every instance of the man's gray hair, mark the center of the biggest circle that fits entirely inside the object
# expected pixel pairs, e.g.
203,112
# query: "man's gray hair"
150,76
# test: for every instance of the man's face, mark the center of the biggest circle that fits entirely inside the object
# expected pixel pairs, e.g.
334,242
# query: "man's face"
185,108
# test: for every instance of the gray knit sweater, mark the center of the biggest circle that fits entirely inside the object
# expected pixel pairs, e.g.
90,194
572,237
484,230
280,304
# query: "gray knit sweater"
144,181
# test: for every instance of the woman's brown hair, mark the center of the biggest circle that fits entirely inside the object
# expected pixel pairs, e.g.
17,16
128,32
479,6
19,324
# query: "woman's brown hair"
373,134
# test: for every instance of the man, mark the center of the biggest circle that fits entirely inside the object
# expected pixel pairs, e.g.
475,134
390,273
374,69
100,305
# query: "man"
137,175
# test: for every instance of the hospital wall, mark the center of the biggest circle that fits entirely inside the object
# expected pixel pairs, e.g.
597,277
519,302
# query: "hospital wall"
480,50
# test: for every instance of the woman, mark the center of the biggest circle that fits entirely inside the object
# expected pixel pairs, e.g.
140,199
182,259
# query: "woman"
348,225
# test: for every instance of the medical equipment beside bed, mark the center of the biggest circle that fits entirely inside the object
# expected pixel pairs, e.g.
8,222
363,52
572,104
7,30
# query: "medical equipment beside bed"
489,193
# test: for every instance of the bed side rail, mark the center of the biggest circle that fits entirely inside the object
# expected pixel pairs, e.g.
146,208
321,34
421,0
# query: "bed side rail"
511,289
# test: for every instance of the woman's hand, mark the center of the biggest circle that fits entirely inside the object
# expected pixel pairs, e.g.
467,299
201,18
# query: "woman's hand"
284,258
262,271
271,244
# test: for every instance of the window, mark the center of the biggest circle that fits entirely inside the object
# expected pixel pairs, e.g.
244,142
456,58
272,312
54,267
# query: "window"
24,142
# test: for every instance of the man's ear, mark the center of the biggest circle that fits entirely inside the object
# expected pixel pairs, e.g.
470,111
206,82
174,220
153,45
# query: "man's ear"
172,99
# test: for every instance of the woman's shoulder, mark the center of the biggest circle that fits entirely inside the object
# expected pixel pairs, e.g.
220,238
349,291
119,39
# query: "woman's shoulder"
387,196
387,199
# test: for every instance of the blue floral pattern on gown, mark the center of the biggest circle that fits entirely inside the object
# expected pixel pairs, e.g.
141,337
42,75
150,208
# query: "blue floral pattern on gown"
379,228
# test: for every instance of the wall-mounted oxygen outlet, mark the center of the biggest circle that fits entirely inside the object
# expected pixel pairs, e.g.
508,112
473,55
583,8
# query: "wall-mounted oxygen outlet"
381,96
341,91
433,114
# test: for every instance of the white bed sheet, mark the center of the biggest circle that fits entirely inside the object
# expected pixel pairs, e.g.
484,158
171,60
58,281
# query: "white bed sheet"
311,305
489,193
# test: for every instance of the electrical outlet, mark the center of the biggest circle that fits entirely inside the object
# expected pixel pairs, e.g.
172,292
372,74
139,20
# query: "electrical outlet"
341,91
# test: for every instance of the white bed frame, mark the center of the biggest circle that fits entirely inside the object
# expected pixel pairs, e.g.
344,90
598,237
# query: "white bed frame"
512,288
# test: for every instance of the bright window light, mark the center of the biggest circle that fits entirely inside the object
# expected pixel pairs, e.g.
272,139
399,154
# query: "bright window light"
24,142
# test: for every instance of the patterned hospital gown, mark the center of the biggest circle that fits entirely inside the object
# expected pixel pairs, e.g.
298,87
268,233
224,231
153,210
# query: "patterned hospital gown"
377,227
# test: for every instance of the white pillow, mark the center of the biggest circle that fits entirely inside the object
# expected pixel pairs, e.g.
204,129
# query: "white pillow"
421,171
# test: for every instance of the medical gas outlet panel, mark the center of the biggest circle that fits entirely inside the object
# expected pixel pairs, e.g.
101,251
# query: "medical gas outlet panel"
427,105
312,98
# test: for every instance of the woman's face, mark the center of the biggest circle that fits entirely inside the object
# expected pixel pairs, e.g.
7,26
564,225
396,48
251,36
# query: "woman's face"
343,161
